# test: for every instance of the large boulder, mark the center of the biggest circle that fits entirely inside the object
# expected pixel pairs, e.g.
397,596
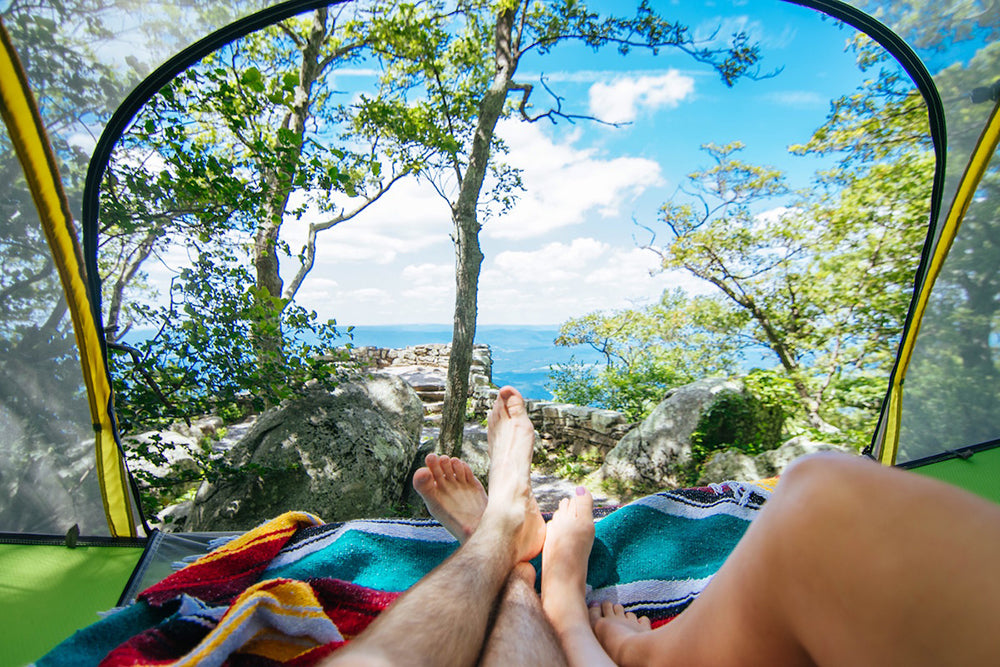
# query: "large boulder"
341,455
737,466
654,453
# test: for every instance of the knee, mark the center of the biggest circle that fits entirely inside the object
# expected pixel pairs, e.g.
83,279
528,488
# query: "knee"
826,487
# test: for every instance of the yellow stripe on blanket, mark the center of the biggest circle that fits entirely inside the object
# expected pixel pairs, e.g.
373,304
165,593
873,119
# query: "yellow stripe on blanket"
768,484
279,528
277,619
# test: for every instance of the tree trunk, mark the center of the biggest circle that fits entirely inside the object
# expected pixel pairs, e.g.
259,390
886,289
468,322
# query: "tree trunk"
278,176
125,276
777,345
468,254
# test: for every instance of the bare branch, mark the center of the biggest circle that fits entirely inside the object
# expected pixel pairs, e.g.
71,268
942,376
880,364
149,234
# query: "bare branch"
147,378
557,112
283,26
314,228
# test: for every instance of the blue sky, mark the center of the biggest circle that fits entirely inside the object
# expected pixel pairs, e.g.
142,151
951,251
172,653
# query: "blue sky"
568,247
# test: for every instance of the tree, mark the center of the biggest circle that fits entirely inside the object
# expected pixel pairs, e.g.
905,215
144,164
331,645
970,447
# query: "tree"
647,351
218,154
825,282
468,77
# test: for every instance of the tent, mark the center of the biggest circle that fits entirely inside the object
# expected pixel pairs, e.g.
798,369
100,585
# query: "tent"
72,534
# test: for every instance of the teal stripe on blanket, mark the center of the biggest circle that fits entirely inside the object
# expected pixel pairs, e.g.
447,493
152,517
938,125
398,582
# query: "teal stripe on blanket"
382,562
638,543
89,645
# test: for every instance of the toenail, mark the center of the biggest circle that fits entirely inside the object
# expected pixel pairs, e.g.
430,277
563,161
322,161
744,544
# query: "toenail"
580,490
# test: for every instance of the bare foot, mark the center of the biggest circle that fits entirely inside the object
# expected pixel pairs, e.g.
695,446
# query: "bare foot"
511,439
613,626
452,494
569,537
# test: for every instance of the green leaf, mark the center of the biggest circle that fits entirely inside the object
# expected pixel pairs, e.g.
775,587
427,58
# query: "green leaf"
252,79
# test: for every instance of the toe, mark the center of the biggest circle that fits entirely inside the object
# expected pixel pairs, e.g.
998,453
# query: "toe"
448,468
423,480
583,503
434,465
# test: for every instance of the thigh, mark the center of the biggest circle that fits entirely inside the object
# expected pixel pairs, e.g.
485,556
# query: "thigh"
849,563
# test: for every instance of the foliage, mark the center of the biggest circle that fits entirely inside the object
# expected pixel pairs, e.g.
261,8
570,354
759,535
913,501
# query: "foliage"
646,352
750,422
200,360
824,283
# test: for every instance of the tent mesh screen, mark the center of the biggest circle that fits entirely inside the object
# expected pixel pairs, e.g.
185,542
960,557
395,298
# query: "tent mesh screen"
951,398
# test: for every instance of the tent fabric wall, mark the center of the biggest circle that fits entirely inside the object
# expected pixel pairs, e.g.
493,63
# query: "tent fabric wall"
968,186
976,469
27,133
925,410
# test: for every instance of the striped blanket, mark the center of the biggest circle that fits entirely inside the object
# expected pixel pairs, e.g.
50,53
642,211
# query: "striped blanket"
294,589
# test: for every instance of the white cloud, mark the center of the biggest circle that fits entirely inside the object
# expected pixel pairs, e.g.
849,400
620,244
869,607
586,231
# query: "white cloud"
408,219
317,290
368,295
622,99
799,99
554,262
565,184
428,274
562,280
432,286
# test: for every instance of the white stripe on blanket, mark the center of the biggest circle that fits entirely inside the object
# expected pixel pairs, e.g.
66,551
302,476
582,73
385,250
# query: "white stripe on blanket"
650,593
423,531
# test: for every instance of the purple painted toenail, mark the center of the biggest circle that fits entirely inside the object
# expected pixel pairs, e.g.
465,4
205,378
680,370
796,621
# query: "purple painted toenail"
580,490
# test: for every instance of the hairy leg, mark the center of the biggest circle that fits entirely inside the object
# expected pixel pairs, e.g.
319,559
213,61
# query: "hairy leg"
849,563
568,540
521,634
443,619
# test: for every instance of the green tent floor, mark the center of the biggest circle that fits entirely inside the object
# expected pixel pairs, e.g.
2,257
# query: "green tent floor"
49,592
980,473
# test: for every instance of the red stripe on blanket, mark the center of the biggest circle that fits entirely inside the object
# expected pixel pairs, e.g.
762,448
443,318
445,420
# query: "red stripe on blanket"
224,574
351,607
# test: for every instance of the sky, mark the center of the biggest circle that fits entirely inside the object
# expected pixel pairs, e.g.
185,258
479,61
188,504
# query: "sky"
571,243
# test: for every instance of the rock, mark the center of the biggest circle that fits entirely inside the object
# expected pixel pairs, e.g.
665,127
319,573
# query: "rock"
652,454
341,455
199,428
173,518
730,464
735,465
179,451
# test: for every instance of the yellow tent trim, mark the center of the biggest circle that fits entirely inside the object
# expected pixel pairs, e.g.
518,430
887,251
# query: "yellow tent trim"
27,133
974,171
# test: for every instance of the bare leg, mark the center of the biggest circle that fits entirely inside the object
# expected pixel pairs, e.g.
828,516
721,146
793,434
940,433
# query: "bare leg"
568,540
850,563
443,619
520,635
